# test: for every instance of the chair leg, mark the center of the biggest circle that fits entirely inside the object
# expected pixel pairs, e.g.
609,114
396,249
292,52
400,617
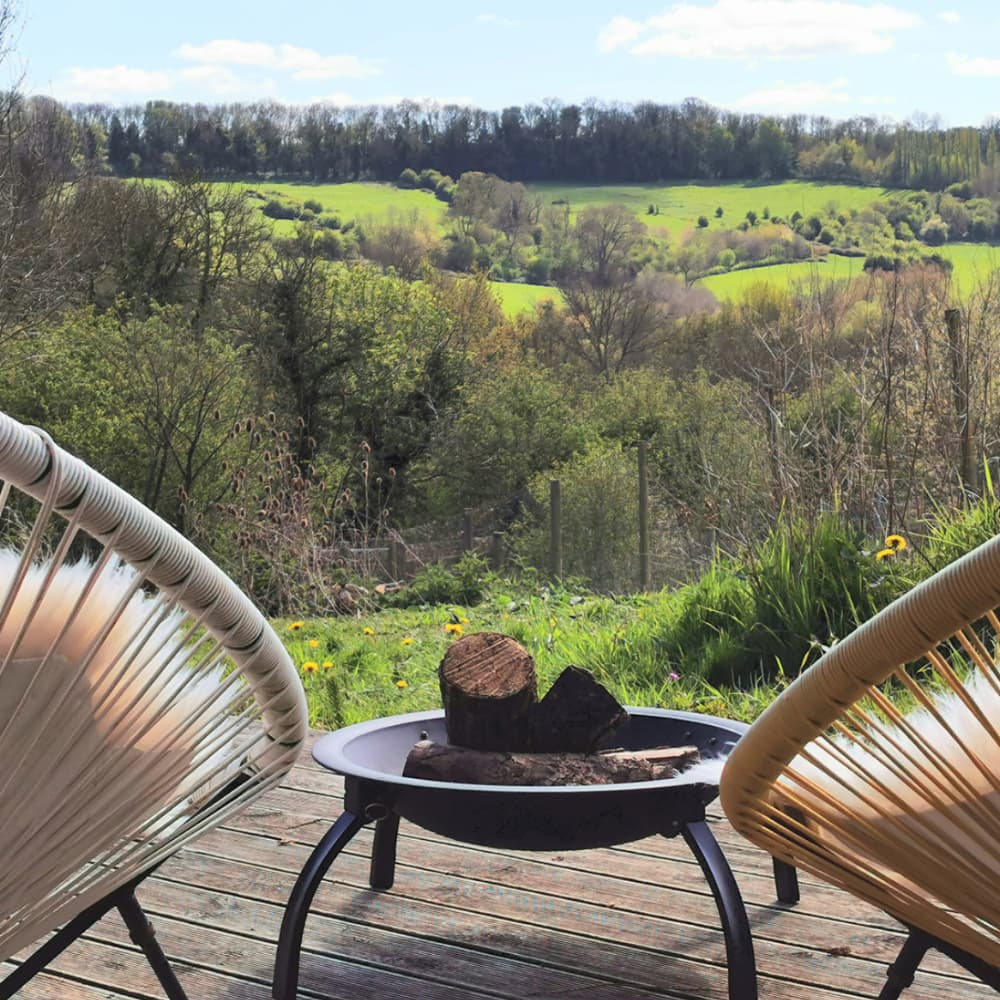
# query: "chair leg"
141,932
900,974
735,925
786,882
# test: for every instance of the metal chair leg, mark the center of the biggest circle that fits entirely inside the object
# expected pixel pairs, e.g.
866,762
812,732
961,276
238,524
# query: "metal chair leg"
141,932
383,867
900,974
735,925
786,882
286,965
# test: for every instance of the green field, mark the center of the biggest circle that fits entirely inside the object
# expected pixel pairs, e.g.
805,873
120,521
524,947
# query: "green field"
681,204
732,285
679,207
354,201
516,298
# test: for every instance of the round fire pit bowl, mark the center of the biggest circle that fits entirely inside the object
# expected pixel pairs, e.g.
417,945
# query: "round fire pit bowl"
371,756
531,818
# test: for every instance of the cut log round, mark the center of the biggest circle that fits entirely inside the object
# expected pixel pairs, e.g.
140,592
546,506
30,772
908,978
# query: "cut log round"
489,690
443,762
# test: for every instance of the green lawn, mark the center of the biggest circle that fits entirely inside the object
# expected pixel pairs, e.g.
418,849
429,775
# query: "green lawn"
732,285
973,263
681,204
517,298
355,201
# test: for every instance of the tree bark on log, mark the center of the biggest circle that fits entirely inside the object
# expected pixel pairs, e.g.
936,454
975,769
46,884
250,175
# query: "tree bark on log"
444,762
575,714
489,691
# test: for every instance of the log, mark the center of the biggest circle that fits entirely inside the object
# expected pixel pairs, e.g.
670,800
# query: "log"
575,715
444,762
489,690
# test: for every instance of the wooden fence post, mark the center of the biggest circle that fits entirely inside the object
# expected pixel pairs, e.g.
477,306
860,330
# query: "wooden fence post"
496,551
555,530
468,534
396,558
643,518
961,394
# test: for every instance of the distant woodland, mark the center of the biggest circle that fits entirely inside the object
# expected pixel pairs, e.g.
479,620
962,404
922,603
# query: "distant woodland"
592,142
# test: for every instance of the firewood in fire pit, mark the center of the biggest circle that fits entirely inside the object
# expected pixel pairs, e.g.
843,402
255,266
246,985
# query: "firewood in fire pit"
489,690
444,762
575,714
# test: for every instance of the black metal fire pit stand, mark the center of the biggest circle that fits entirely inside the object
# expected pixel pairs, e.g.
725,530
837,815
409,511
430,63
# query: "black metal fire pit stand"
368,801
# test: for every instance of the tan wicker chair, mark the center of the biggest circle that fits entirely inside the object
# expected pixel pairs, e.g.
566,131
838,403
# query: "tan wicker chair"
143,699
900,808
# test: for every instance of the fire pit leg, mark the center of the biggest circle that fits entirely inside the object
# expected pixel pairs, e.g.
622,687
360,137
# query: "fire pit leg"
286,965
383,869
735,926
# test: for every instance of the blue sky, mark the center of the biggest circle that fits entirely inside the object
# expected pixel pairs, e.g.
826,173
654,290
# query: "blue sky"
832,57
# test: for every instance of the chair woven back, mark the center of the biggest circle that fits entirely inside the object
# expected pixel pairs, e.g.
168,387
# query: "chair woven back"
879,768
143,698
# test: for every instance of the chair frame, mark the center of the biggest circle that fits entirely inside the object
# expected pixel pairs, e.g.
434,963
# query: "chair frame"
940,609
65,487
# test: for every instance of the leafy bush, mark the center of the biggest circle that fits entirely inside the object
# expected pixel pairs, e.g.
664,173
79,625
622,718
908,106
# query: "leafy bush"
313,206
464,583
408,179
275,209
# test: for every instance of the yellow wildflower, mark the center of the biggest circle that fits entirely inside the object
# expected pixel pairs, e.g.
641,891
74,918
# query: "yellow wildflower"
402,684
295,626
896,542
328,664
408,641
463,620
368,630
885,554
310,666
453,628
314,643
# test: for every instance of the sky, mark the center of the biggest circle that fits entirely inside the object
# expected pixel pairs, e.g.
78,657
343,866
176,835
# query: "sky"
836,58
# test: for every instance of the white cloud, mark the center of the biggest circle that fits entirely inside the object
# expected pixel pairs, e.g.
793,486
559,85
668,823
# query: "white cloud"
774,29
617,32
501,22
214,80
110,83
791,97
951,16
340,99
972,65
303,64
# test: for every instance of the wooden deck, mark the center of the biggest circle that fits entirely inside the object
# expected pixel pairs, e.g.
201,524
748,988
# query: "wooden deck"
464,923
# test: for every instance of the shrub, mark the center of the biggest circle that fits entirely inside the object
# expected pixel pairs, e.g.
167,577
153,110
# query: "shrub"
464,583
702,221
429,180
313,206
445,190
934,231
407,179
539,269
718,212
329,221
275,209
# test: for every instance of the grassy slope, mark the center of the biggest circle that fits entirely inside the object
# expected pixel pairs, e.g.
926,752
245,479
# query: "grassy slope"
681,204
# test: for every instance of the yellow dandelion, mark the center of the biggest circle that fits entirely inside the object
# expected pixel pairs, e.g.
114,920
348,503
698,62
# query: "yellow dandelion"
368,630
328,664
310,666
896,542
402,684
885,554
453,628
314,643
295,626
408,641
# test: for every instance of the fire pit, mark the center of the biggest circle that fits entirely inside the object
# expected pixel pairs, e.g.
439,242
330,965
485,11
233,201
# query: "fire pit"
371,756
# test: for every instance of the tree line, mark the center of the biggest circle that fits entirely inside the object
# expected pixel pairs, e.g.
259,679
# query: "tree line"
592,142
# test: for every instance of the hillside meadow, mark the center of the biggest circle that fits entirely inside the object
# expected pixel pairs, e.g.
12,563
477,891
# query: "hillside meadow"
678,208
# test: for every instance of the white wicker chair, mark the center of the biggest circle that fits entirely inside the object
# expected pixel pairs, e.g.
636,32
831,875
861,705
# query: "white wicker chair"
143,699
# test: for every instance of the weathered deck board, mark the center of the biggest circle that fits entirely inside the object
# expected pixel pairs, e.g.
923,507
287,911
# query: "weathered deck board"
464,923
